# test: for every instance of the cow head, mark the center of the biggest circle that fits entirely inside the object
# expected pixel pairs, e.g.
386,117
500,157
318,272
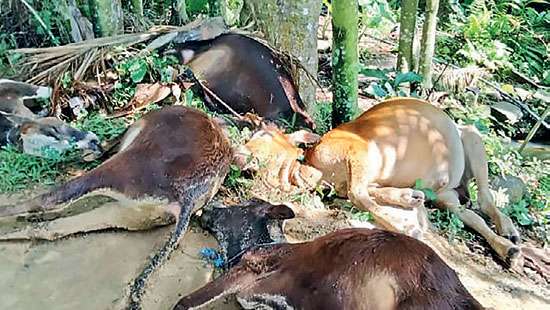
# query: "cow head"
238,228
49,133
275,156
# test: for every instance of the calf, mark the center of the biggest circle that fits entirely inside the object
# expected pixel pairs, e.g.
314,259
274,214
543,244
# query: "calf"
240,227
346,269
176,155
376,159
246,74
20,127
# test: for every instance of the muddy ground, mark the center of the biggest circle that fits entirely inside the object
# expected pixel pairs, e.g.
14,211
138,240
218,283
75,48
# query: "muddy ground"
93,270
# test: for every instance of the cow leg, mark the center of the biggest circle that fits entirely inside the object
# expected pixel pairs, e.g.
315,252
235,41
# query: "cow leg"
110,216
448,199
407,221
403,197
476,164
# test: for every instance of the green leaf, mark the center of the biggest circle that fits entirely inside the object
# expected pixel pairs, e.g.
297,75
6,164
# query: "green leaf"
430,194
374,73
378,90
138,69
524,219
406,78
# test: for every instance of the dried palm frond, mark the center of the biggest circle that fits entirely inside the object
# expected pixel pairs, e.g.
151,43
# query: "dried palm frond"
47,65
456,79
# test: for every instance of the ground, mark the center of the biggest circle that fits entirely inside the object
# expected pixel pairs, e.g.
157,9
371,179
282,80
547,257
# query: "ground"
93,270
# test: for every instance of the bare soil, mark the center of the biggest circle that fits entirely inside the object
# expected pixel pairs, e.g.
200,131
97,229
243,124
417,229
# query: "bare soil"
93,270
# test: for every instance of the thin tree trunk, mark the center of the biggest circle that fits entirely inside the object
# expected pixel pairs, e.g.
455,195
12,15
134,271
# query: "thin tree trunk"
108,17
345,60
137,7
291,25
428,42
405,60
181,11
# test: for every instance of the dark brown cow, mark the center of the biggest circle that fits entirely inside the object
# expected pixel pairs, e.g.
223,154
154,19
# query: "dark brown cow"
246,75
176,154
347,269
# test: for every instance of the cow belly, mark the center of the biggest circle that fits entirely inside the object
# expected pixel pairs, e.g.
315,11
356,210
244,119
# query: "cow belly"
438,166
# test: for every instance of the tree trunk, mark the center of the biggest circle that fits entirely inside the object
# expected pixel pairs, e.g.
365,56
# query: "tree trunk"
291,25
345,61
108,17
428,42
137,7
231,10
181,11
407,30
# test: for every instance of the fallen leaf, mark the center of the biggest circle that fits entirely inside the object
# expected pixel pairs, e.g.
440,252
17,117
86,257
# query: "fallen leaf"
149,93
176,92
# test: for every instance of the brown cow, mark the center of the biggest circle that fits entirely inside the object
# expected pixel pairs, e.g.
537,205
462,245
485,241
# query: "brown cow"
376,159
176,155
244,73
346,269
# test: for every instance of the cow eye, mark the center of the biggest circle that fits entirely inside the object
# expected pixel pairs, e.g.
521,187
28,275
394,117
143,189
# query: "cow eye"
52,132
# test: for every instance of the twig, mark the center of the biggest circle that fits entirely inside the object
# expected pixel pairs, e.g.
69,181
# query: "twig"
211,93
534,129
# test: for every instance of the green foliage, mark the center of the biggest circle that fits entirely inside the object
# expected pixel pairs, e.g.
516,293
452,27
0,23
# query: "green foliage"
19,170
8,60
155,67
105,129
449,224
389,83
375,14
357,214
53,14
236,179
148,68
322,114
428,192
502,35
204,7
519,212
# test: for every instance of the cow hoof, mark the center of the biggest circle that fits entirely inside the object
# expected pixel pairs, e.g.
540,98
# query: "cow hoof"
507,229
414,198
515,259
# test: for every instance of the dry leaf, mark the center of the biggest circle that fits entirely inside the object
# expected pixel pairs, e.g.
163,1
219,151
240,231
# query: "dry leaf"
149,93
176,92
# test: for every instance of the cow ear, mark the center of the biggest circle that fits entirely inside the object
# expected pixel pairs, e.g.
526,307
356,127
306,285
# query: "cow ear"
279,212
303,136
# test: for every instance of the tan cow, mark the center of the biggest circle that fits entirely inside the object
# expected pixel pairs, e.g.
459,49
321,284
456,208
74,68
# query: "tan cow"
376,159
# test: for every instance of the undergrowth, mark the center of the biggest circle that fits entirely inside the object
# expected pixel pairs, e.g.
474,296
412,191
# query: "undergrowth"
532,211
18,170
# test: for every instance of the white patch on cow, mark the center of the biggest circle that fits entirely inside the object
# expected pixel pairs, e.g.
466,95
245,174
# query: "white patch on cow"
43,92
131,135
187,55
263,301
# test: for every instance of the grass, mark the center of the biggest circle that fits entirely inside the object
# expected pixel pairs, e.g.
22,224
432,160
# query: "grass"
105,129
449,225
19,170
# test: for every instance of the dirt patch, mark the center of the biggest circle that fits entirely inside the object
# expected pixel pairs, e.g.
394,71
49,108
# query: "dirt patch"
93,271
492,285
